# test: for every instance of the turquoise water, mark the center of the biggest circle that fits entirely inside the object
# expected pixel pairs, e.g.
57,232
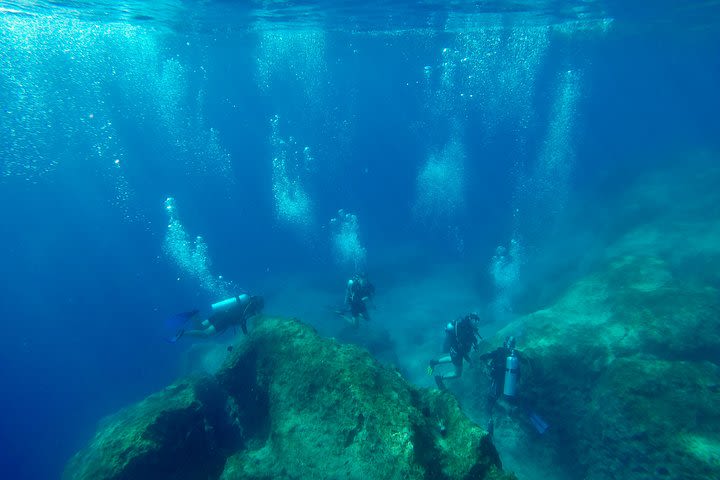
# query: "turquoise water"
159,156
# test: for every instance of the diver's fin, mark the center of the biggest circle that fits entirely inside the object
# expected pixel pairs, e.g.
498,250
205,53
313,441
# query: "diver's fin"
176,337
339,310
540,425
179,320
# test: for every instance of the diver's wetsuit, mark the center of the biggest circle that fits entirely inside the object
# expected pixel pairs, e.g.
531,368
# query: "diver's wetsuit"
359,289
497,369
497,362
461,337
237,314
234,315
358,307
459,340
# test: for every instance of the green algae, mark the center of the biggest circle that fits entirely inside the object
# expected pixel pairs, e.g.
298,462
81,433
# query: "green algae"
175,433
288,404
625,369
336,413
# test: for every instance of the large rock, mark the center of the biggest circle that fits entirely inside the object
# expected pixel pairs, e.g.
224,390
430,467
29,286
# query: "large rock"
331,411
624,364
624,367
182,432
289,404
622,361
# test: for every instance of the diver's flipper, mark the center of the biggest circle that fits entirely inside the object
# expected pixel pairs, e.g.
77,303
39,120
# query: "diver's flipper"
178,324
177,336
349,319
540,425
178,321
342,311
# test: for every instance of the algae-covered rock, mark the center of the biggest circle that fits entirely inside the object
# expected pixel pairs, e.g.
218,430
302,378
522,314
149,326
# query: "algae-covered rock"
624,367
654,419
333,412
289,404
177,433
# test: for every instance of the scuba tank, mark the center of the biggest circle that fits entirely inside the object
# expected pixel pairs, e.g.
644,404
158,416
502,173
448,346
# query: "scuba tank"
512,366
228,302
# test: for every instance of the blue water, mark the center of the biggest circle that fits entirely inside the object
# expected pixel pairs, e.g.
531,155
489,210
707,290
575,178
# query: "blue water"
447,132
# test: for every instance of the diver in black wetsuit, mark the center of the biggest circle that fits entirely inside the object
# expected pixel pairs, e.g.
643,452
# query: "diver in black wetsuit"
237,315
358,292
504,366
461,336
496,362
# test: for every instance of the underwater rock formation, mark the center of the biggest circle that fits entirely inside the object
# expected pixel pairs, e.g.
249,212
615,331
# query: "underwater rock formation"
624,367
625,364
179,432
290,404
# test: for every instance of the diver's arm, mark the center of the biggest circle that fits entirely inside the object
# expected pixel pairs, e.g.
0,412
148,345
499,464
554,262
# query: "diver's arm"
369,303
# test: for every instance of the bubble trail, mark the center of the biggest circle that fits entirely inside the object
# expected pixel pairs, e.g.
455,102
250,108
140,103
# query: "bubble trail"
191,255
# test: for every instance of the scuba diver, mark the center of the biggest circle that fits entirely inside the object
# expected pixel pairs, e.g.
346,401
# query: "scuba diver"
461,336
234,311
504,369
358,292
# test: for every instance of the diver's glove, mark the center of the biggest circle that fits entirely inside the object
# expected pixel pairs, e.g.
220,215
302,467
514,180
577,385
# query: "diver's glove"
431,366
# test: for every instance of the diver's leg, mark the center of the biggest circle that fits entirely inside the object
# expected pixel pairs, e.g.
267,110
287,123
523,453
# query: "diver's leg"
499,384
494,393
352,320
445,359
431,369
364,312
458,363
204,333
344,315
355,314
440,379
205,324
434,363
